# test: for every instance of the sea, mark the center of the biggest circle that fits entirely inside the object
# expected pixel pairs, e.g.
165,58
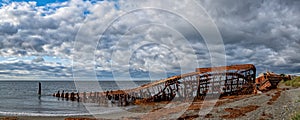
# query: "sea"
20,98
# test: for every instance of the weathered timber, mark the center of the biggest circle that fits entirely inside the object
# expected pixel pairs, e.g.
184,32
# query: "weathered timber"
269,80
203,83
40,89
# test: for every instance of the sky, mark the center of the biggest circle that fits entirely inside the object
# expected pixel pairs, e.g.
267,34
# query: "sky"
60,39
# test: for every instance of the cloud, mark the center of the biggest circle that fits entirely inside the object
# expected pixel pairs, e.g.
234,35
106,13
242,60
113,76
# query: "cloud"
24,26
145,42
261,32
8,28
39,59
35,69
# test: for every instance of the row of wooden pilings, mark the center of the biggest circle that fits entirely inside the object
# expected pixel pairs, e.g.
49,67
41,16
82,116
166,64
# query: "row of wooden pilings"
119,98
73,96
102,98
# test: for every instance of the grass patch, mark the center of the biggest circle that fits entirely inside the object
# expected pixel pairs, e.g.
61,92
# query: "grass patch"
296,117
294,82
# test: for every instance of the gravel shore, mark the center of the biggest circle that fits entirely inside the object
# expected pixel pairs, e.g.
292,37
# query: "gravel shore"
278,104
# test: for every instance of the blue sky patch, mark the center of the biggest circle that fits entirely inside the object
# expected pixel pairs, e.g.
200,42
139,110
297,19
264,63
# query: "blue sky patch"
39,2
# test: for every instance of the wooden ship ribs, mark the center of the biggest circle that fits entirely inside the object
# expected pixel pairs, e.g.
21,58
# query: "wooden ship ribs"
269,80
203,83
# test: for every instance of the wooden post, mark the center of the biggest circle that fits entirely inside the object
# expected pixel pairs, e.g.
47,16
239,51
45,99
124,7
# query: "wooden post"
40,89
57,94
72,97
62,95
67,95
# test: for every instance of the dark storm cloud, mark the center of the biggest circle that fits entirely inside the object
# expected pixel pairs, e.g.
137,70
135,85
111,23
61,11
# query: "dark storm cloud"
262,32
39,59
35,68
8,28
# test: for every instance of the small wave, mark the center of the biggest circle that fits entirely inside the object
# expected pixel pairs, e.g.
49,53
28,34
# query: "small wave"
39,114
97,111
93,111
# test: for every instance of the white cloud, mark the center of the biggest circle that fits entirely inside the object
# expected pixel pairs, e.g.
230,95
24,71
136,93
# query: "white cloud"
264,33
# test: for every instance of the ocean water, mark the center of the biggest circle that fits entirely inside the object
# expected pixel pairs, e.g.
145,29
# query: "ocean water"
21,98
